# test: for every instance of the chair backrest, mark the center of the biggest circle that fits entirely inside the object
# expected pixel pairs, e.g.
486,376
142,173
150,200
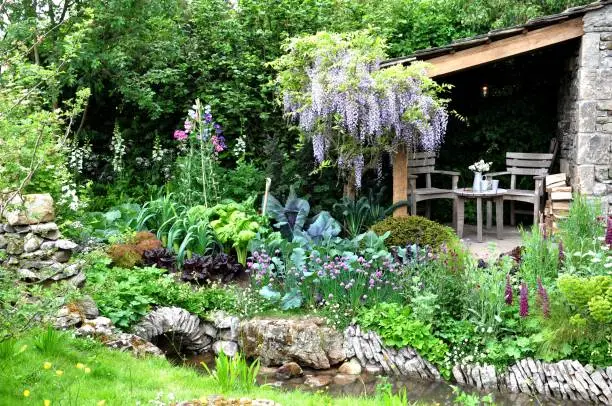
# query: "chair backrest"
524,163
421,162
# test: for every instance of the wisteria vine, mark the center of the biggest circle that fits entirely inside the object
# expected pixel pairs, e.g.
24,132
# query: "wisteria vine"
335,90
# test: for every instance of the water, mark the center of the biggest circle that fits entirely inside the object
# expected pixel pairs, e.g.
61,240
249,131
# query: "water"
365,385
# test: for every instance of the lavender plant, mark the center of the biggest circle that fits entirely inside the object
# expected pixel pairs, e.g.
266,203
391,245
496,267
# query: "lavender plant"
333,88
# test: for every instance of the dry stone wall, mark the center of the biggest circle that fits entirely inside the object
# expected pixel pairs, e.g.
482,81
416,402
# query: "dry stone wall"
567,380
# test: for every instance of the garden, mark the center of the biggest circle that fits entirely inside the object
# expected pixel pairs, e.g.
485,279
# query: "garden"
195,209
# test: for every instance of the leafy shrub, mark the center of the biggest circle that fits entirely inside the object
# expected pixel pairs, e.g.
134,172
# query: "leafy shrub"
398,328
210,268
162,258
126,296
415,230
131,254
102,226
591,296
124,255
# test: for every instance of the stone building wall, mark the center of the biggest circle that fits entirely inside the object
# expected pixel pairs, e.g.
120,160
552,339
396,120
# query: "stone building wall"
585,109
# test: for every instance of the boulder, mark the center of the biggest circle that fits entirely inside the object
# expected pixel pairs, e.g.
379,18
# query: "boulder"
350,368
49,231
14,244
229,348
305,341
288,371
88,308
30,209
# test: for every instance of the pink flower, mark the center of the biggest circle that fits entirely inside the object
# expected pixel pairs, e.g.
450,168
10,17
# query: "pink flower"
508,293
188,126
180,135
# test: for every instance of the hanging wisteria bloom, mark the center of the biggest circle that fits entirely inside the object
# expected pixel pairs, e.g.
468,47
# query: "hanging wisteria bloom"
334,89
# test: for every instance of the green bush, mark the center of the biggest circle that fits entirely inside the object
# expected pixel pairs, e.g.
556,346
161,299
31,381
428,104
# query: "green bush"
415,230
398,328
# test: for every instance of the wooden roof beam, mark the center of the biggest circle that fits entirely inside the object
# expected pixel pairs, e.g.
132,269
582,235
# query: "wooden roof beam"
506,48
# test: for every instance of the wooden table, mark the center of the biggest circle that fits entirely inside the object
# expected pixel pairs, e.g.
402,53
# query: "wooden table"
497,197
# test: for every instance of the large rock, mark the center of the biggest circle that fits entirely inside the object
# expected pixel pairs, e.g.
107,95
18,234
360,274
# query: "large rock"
303,340
31,243
30,209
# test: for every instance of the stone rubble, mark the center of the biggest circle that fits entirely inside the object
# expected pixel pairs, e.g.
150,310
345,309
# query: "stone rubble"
567,380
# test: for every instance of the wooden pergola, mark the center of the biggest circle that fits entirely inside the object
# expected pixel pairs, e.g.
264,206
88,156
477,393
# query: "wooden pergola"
484,49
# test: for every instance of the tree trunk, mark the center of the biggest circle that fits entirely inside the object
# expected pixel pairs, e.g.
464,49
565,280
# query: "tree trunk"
400,182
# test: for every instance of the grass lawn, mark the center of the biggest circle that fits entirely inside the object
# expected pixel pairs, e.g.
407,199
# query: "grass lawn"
73,371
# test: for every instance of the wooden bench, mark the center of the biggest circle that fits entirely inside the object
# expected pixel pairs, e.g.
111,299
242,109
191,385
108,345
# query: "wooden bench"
525,164
423,163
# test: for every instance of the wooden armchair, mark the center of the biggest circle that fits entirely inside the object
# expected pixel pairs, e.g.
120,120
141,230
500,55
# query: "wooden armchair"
525,164
423,163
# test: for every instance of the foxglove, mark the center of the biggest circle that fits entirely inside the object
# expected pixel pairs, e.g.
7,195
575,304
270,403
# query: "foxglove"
609,232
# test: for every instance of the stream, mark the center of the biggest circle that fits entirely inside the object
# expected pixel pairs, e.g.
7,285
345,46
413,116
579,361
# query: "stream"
365,384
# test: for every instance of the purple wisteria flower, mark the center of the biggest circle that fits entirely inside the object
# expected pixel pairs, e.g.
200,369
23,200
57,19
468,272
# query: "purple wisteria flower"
508,294
543,297
524,300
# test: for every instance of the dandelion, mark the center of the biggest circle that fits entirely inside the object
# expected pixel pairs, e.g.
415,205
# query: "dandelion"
47,365
524,300
87,370
26,393
508,294
80,365
46,402
101,403
59,372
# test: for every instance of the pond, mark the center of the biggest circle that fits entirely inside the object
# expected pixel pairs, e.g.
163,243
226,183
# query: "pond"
329,381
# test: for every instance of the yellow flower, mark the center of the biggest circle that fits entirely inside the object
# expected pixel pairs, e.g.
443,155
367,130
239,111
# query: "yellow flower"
26,393
47,365
87,370
101,403
80,366
59,372
46,402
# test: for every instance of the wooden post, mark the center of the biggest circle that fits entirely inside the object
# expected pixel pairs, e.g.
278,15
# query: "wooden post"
400,181
349,188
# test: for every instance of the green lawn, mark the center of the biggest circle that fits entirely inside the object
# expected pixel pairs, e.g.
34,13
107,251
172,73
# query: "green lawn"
108,377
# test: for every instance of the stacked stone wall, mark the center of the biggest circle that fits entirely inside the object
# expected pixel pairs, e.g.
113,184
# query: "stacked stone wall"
585,109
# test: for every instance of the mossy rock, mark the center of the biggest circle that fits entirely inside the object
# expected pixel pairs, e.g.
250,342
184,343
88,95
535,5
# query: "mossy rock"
415,230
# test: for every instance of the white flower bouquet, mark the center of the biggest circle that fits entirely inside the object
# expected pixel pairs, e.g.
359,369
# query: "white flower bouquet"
480,166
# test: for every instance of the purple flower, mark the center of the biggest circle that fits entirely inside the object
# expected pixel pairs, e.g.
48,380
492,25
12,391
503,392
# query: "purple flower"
180,135
218,129
543,297
208,117
524,300
609,232
508,294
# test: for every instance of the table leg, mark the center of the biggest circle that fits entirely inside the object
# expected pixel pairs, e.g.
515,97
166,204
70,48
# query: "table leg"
460,216
489,214
479,218
499,217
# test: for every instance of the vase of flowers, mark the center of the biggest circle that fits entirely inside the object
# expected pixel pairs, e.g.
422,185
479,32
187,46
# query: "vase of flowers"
478,168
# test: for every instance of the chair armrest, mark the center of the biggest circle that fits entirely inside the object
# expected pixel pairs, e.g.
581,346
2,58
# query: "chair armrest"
450,173
497,173
540,177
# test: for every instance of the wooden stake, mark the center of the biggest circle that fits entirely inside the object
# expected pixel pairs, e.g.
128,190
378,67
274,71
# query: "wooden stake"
400,182
264,205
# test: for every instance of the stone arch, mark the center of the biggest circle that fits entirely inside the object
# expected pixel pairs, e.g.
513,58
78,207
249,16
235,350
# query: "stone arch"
175,329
